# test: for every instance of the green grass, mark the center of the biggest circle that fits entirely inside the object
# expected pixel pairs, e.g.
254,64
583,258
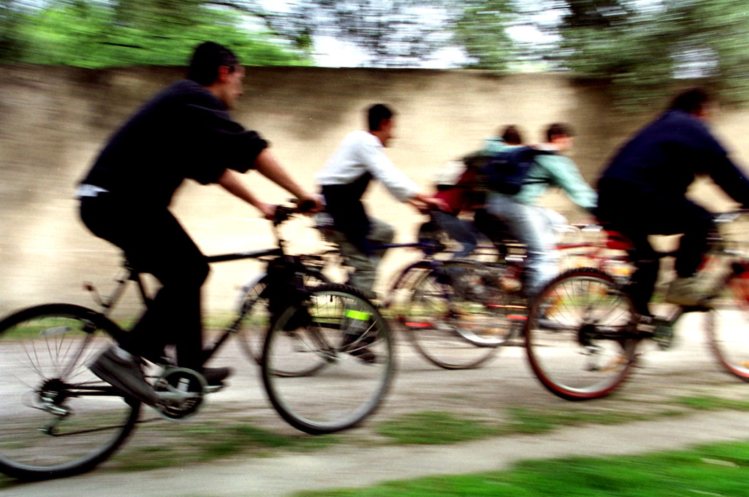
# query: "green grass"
176,444
714,470
710,403
434,428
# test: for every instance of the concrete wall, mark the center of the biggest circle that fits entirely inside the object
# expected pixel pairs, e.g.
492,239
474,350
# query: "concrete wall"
53,121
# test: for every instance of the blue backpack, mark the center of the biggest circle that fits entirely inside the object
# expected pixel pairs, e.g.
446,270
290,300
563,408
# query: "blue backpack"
507,171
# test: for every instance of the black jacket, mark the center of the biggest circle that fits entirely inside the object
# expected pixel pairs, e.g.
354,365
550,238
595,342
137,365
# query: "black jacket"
664,158
183,132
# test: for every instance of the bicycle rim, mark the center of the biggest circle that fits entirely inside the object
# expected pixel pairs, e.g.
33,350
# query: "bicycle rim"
57,418
456,319
346,333
579,338
728,330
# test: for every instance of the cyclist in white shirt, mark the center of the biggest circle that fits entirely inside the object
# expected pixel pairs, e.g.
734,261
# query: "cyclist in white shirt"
344,180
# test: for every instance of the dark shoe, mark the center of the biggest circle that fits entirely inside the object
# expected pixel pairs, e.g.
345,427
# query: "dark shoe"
358,346
216,376
125,375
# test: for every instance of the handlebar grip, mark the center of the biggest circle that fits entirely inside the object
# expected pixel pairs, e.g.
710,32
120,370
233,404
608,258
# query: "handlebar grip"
282,214
306,205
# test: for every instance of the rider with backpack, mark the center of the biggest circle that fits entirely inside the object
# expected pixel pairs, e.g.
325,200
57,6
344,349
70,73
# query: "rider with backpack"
515,178
461,191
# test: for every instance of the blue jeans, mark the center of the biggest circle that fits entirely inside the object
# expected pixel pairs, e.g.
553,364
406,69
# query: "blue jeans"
534,226
459,230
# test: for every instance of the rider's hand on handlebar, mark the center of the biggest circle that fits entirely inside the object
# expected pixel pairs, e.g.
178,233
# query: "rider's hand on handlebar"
309,204
267,210
425,203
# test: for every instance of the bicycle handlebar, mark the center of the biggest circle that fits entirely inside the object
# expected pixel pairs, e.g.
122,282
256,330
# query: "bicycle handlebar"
284,212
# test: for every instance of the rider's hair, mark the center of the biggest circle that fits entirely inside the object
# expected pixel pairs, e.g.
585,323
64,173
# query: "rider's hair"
206,60
511,135
692,100
556,130
376,114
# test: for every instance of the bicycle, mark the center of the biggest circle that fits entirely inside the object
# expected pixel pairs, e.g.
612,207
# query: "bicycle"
463,311
456,313
583,333
58,419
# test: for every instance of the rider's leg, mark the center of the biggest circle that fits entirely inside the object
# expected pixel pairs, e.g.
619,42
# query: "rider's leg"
688,288
156,243
647,264
459,230
531,227
542,263
363,266
696,223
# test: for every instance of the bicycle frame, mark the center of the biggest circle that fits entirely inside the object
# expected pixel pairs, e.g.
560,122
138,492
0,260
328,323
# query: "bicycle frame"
732,269
131,273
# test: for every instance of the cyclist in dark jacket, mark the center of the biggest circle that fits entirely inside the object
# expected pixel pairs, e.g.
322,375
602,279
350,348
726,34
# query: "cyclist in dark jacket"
643,190
184,132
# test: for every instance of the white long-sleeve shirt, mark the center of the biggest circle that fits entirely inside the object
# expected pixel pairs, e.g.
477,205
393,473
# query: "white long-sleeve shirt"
362,152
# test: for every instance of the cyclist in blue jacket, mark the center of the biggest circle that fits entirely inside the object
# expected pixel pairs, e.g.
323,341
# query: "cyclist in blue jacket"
643,190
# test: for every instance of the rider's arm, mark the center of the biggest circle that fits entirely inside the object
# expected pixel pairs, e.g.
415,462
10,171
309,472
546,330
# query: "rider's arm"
715,159
566,175
231,182
267,165
372,155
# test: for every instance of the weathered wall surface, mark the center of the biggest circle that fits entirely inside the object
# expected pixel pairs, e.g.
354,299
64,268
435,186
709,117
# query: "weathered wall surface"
53,121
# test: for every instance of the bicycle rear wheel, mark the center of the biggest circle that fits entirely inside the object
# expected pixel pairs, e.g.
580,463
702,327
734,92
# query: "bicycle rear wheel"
728,328
580,335
457,315
57,418
338,327
254,318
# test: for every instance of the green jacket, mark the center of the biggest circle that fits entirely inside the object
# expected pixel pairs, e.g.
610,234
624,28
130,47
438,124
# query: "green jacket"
550,170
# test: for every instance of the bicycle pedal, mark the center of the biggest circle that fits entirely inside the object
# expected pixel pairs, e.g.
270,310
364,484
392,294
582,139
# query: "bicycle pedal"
180,393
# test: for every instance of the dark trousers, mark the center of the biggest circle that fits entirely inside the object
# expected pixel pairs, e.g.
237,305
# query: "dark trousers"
154,242
637,215
459,230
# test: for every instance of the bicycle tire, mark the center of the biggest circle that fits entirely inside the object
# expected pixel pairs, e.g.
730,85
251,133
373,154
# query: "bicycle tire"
457,320
726,324
44,352
580,336
254,318
358,370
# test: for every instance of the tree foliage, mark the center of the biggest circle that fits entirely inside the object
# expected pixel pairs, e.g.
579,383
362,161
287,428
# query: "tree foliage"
481,30
131,32
640,47
391,33
644,48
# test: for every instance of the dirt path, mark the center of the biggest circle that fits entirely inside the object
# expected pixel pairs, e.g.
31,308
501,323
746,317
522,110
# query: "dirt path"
347,467
360,459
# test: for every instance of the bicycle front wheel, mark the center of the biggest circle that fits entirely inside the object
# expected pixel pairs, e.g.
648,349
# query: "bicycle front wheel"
338,327
254,317
457,315
580,335
57,418
728,328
